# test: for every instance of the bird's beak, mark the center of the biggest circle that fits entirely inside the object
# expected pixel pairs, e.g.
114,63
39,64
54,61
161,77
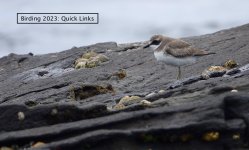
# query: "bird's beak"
148,45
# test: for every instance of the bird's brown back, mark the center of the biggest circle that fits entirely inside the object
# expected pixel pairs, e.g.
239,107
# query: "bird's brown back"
180,48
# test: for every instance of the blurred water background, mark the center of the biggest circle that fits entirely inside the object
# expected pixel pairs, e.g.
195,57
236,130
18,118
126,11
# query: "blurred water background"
120,21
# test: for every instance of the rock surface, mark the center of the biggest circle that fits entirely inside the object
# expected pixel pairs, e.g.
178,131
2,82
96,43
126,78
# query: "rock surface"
45,100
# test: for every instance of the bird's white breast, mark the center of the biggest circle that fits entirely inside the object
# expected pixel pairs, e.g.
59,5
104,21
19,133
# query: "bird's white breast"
174,61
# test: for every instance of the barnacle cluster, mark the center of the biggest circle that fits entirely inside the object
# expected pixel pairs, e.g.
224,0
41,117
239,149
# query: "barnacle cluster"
211,136
90,60
125,101
217,71
230,64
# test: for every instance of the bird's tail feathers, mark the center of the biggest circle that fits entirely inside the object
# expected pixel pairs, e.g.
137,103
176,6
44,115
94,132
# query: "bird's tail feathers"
203,53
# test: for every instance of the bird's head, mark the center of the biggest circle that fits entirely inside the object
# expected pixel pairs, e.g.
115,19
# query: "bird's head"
154,40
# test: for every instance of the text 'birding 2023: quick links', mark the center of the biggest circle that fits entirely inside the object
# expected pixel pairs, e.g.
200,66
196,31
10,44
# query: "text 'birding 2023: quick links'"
57,18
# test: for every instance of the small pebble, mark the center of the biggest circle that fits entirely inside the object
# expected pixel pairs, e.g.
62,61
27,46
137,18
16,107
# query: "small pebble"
151,94
236,136
54,112
161,91
20,116
38,144
145,103
234,90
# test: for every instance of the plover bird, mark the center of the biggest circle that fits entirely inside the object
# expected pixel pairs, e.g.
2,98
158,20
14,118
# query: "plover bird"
175,52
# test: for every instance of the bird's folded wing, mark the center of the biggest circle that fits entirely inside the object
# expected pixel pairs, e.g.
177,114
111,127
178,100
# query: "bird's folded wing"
179,48
179,52
178,44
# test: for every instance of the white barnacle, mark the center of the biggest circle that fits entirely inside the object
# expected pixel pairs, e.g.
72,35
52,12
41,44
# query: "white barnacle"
20,116
145,103
54,112
234,91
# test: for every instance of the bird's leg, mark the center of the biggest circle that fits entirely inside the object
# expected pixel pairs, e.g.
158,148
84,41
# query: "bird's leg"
179,73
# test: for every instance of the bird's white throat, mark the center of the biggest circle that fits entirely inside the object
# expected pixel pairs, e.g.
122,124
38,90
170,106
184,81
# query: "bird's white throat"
154,46
174,61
